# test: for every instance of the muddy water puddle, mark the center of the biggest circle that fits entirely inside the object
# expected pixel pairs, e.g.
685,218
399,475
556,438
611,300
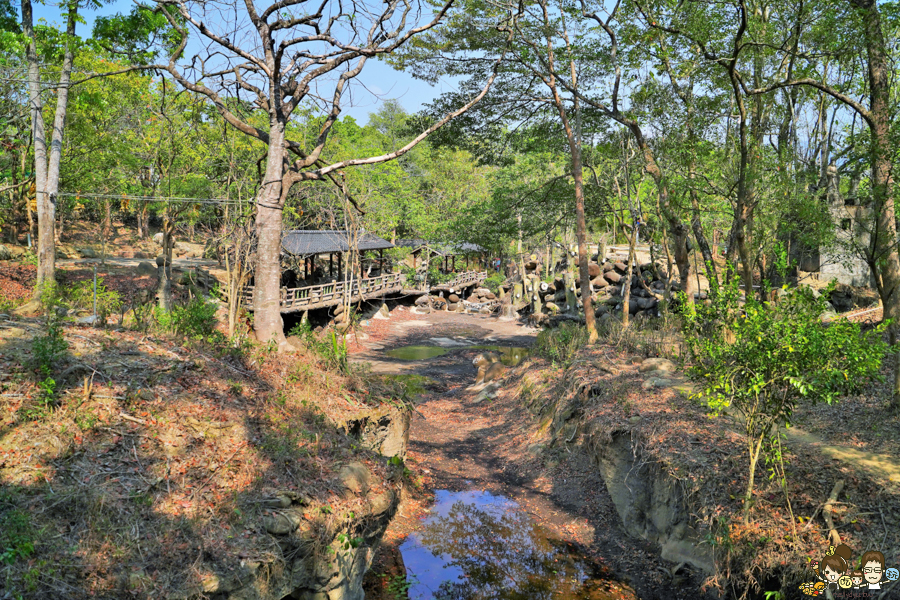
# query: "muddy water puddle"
509,355
475,545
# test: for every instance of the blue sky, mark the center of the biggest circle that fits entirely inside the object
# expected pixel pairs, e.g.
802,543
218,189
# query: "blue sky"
378,80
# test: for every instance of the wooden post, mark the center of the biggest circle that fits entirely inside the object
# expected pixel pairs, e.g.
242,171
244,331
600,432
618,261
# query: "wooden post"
535,296
571,298
467,262
549,259
518,293
306,268
454,263
331,264
340,265
381,261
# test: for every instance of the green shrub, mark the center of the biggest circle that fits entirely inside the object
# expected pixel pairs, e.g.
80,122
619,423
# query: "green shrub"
47,350
81,295
17,534
332,351
435,277
561,344
494,282
762,358
196,319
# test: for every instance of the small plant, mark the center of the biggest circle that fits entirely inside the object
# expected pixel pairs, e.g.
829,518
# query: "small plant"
81,295
16,533
47,350
347,543
333,351
398,585
196,319
494,282
29,258
397,461
762,358
561,345
7,305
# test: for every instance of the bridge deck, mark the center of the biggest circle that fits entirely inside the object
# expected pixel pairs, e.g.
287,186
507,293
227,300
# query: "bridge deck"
332,294
463,280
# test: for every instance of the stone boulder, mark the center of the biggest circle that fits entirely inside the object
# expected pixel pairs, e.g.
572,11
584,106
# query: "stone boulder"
88,253
5,253
594,270
647,303
657,364
612,277
355,478
146,268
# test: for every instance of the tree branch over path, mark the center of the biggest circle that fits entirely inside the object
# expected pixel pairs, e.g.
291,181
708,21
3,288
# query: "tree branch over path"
263,62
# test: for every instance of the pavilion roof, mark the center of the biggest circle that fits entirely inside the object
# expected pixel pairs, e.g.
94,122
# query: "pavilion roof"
326,241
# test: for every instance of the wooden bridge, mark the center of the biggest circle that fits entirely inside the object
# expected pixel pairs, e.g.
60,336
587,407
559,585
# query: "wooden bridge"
463,280
332,294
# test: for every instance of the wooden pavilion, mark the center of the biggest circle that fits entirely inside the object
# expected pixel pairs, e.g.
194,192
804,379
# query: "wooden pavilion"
311,288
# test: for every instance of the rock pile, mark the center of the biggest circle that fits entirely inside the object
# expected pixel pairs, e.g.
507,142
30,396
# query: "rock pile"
608,285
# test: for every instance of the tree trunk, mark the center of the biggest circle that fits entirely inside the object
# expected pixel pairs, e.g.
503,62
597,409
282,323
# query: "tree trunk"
581,230
106,226
46,269
267,321
629,272
580,222
47,208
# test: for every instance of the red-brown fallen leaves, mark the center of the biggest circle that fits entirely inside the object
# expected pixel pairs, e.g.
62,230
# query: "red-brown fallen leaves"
17,281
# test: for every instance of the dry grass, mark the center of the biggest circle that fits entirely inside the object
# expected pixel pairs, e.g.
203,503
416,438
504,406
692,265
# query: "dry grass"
601,393
150,476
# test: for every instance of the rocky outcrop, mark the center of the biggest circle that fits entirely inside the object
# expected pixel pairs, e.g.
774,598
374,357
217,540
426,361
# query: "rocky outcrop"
308,568
650,503
384,429
325,563
319,562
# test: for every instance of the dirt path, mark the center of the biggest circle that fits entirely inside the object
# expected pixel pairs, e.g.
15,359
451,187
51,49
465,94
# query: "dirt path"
459,443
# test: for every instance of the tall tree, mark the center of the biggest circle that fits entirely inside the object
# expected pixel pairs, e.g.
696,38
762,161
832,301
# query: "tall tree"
882,256
47,160
299,51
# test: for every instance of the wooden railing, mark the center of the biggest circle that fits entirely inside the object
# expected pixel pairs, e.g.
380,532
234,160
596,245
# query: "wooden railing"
331,294
463,280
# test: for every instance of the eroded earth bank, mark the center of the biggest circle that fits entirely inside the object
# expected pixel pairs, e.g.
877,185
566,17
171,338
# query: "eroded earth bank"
607,456
470,447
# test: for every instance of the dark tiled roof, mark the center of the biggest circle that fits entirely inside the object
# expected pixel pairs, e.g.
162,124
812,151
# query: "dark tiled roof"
415,243
442,248
324,241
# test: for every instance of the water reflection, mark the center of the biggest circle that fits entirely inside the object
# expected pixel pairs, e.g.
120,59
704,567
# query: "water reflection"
417,352
478,546
509,355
